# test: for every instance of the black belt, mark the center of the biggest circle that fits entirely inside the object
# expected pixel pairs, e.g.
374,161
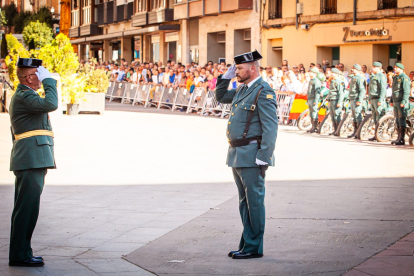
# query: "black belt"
245,141
374,98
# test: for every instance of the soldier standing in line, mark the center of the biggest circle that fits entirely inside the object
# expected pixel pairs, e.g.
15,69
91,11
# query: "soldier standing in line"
31,156
357,91
251,132
314,91
400,93
377,91
336,98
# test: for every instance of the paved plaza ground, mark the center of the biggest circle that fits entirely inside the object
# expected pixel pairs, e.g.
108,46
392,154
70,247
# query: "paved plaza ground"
144,192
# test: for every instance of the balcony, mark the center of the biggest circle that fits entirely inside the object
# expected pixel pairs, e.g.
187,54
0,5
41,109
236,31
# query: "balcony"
73,32
90,29
107,10
328,6
161,16
184,9
140,19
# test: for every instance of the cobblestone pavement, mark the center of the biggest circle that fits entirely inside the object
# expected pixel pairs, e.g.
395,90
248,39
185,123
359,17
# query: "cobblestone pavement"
125,179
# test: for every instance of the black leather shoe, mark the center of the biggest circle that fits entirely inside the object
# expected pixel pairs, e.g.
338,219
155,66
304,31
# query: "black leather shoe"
232,252
245,255
38,257
28,263
372,139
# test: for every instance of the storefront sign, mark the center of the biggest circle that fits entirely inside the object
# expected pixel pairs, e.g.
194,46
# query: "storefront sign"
366,35
170,37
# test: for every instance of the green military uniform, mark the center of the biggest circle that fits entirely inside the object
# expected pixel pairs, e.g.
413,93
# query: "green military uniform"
247,174
357,91
401,86
336,96
30,159
377,92
314,96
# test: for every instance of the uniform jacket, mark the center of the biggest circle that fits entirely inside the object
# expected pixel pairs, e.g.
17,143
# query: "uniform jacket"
264,122
29,112
314,89
378,87
401,86
357,88
337,90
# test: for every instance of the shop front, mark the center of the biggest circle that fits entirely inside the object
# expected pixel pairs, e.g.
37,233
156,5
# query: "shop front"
388,41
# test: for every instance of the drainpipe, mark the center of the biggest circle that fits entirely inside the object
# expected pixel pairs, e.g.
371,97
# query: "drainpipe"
355,12
297,17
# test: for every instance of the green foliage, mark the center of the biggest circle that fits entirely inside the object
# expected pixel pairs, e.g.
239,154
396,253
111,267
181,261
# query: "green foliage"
12,41
40,33
3,46
20,21
96,78
59,56
17,51
73,88
3,19
10,11
44,15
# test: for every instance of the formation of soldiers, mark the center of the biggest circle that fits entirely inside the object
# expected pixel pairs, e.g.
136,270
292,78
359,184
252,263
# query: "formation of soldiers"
358,88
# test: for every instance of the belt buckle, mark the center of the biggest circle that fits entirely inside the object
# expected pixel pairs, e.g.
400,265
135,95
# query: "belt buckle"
253,107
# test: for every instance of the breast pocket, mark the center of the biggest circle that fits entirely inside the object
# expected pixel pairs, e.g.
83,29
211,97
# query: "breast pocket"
243,110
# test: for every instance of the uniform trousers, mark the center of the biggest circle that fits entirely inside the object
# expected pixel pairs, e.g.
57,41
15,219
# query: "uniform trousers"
400,114
356,111
377,111
28,188
251,188
335,111
313,109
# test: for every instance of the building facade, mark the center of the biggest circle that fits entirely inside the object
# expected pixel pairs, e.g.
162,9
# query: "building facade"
308,31
161,30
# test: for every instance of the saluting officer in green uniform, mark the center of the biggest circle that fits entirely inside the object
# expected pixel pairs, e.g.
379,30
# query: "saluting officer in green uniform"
357,91
31,156
400,93
377,92
251,132
314,96
336,98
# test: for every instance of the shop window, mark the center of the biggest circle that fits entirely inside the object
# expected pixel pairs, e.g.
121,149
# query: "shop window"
328,6
387,4
275,9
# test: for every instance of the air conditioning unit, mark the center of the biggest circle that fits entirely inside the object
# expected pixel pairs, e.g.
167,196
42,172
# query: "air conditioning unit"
248,34
299,8
221,37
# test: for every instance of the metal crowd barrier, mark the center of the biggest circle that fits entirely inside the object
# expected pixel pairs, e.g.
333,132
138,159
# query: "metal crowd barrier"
284,105
202,101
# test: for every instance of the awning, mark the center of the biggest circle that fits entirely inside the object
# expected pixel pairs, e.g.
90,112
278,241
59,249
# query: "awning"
78,40
105,36
175,27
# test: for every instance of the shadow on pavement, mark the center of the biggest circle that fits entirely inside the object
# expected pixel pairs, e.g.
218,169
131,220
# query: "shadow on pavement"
312,228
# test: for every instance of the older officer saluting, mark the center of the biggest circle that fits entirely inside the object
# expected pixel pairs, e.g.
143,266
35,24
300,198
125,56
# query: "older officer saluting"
251,131
31,156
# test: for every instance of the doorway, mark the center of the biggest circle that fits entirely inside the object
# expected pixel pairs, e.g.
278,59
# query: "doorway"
172,51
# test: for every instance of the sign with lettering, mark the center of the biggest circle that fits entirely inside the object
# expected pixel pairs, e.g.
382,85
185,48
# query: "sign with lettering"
366,35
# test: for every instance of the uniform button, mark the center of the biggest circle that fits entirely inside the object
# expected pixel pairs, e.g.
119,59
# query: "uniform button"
235,105
229,123
228,132
232,114
270,157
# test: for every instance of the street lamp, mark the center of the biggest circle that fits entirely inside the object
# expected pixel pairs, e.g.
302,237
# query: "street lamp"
52,10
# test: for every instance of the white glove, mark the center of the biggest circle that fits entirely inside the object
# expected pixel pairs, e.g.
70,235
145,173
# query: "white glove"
260,162
231,73
42,73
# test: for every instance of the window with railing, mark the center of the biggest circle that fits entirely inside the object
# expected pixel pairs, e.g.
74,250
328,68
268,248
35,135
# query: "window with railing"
157,4
328,6
86,12
141,6
275,9
387,4
75,18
